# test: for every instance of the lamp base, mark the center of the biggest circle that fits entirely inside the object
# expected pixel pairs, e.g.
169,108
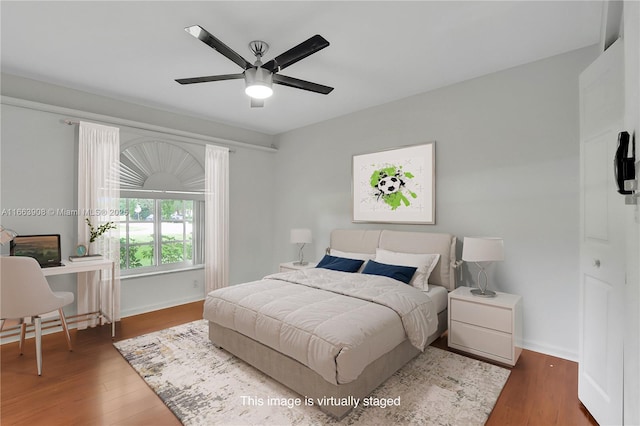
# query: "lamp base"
480,293
297,263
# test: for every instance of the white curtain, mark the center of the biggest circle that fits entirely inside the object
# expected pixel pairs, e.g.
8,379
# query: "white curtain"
99,200
216,252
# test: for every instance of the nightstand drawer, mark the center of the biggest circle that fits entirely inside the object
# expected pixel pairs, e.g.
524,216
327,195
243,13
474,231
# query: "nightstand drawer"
479,339
481,315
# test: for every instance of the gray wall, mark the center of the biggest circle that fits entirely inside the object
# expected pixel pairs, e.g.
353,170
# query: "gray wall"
507,164
39,167
37,91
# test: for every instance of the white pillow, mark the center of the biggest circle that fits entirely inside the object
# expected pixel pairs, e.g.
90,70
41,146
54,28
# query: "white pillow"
349,255
424,262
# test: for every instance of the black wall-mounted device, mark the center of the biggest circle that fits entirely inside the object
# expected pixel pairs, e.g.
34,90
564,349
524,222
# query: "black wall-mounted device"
623,164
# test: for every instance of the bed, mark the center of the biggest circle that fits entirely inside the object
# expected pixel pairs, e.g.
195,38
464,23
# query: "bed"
328,333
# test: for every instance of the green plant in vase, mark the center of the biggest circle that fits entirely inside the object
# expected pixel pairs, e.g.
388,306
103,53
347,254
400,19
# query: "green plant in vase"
97,232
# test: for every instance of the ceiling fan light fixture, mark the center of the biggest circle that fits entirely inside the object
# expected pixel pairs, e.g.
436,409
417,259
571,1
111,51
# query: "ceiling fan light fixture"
258,83
258,91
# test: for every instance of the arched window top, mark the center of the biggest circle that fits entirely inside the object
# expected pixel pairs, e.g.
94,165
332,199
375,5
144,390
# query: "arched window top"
154,165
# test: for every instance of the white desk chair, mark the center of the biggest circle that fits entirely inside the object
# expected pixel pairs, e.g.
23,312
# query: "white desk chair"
25,292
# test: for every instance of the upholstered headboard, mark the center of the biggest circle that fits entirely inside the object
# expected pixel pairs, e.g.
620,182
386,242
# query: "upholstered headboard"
366,241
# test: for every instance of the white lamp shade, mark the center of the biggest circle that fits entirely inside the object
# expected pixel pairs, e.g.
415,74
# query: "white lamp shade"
482,249
6,235
301,236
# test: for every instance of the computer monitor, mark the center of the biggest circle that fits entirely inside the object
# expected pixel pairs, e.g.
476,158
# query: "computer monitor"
44,248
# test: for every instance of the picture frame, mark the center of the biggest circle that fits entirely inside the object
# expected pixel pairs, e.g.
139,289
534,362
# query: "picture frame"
395,185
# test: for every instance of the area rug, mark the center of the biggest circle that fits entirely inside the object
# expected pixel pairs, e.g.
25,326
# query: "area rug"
204,385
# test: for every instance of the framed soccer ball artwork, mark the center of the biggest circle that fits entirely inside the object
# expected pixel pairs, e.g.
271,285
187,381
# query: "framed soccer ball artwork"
395,186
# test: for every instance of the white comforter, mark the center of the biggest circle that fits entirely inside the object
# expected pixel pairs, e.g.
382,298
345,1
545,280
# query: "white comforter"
335,323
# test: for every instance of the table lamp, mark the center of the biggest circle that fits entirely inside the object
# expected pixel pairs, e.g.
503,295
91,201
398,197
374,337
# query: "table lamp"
6,235
481,251
301,237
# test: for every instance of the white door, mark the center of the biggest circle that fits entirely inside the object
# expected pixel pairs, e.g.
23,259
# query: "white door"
602,248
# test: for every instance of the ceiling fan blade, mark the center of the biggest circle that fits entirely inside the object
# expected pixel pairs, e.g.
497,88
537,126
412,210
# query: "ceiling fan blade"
200,33
293,55
257,103
209,78
301,84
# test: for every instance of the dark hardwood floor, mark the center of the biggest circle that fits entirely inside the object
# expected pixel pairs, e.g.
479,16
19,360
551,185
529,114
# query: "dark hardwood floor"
94,385
541,390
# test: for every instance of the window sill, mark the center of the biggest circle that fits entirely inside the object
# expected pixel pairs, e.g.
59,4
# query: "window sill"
152,273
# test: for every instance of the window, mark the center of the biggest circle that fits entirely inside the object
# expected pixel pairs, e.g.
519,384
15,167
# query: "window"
160,234
162,191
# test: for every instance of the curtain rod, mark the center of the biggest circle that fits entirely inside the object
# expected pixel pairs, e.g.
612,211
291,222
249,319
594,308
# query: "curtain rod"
100,118
69,122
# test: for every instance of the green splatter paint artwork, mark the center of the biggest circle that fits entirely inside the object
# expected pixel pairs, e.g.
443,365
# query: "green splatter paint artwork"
389,185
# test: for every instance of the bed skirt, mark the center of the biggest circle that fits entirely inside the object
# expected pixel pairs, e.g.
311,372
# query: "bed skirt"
307,382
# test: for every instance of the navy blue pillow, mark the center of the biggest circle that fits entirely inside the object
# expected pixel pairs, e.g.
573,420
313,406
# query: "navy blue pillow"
340,263
400,273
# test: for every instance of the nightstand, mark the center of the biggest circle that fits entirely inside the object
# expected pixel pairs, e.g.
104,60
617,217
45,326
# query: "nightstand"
487,327
289,266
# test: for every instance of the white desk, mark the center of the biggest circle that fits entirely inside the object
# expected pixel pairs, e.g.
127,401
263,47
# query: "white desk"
89,266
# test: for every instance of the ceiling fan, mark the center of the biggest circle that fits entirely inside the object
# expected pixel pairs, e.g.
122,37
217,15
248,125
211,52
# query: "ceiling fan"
259,77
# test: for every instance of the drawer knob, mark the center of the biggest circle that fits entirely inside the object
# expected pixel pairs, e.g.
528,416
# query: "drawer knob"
596,263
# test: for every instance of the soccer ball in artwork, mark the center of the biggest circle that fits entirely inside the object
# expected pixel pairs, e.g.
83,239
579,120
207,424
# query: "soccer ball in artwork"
390,184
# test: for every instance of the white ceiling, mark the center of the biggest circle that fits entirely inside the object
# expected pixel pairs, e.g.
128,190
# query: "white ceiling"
379,52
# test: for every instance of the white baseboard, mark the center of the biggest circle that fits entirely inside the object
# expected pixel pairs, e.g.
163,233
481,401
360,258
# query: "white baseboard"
155,307
124,314
557,352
